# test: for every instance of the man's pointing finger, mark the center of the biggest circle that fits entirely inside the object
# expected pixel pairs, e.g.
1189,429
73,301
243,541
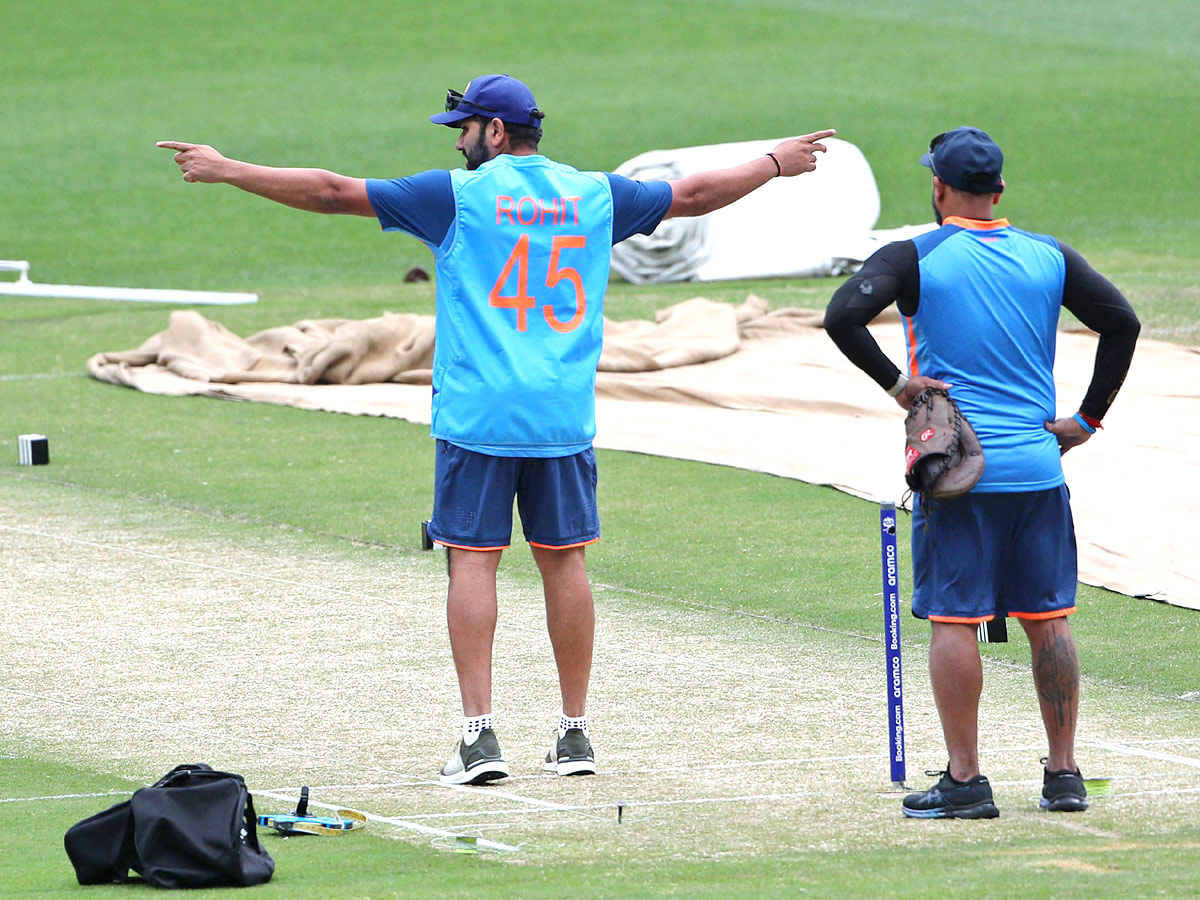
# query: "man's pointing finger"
175,145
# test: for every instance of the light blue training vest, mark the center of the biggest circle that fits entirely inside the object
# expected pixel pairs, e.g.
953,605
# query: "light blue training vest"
520,299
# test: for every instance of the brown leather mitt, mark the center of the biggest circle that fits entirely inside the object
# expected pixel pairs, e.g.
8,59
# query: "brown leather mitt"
942,456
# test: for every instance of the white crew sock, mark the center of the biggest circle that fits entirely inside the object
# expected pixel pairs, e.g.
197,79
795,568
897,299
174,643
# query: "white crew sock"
565,722
472,725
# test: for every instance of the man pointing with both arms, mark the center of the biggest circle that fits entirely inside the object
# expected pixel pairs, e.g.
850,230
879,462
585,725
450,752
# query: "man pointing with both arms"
522,245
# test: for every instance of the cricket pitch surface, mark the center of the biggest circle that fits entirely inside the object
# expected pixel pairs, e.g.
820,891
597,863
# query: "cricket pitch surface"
137,637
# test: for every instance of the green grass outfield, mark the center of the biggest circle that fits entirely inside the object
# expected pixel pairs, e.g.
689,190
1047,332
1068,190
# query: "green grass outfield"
1091,101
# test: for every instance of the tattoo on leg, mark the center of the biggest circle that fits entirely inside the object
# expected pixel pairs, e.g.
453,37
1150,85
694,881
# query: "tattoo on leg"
1056,672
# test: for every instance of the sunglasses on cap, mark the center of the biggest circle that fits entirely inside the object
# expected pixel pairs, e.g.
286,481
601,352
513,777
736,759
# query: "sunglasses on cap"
455,98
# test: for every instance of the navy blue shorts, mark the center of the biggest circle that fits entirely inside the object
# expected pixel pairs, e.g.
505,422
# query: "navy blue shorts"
473,499
994,554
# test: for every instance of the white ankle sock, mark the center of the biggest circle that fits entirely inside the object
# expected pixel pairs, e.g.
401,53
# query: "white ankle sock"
472,725
565,722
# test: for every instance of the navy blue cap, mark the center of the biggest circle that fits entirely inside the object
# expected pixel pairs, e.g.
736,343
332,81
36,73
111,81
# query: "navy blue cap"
496,96
966,159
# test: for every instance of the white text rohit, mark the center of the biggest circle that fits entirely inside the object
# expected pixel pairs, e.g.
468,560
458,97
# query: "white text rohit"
537,211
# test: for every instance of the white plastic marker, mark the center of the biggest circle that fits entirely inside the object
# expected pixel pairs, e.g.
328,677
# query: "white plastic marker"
23,287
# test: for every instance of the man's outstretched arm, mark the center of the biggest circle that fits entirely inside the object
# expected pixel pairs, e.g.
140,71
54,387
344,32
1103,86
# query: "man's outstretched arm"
704,192
314,190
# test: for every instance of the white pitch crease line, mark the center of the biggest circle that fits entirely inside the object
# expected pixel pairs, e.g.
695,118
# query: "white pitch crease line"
673,660
596,807
1138,751
1124,749
691,801
380,786
632,807
513,811
516,798
399,823
1146,742
468,827
615,773
491,792
707,767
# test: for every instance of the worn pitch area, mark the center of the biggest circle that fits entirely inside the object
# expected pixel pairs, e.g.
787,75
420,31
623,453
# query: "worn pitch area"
138,636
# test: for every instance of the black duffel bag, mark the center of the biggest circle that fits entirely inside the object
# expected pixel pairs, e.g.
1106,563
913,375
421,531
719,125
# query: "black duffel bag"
195,827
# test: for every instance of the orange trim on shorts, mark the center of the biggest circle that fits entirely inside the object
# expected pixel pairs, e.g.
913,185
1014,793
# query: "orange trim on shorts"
475,549
975,224
1052,614
963,620
562,546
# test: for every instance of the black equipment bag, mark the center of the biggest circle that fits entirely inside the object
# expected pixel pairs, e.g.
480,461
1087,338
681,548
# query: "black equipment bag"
195,827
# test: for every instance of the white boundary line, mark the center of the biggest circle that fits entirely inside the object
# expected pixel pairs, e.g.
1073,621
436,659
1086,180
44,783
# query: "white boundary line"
66,796
41,375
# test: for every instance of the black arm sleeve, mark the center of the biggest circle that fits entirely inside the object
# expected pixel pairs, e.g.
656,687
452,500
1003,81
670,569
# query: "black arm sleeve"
1098,304
890,276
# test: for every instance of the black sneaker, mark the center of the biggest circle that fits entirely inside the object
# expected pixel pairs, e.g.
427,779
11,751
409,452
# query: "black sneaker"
1063,791
476,764
951,799
571,755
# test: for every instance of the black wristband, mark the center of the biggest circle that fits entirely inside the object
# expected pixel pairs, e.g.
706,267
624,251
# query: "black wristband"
778,168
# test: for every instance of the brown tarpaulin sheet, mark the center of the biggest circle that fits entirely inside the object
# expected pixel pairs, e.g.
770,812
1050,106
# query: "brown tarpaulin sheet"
744,387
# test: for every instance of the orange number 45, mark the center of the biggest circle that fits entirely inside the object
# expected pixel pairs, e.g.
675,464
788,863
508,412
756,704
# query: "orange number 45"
522,300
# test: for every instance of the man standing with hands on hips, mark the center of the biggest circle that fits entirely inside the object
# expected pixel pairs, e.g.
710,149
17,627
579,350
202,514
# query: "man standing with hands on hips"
981,301
522,245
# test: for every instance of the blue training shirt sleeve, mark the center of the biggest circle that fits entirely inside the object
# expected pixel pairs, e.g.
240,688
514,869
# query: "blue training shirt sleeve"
421,205
638,206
